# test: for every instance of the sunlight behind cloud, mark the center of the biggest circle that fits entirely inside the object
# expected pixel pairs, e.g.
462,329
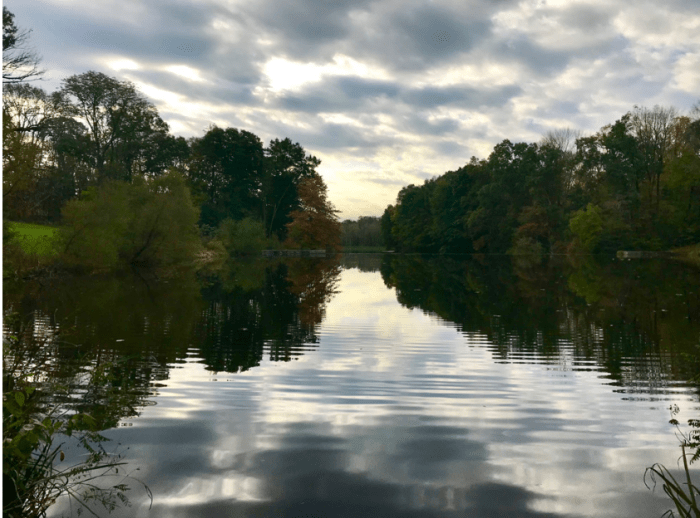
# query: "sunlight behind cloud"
284,74
122,64
288,75
185,72
168,101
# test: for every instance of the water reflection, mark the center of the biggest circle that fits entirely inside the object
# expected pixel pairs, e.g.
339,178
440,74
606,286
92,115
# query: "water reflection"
639,322
302,388
231,320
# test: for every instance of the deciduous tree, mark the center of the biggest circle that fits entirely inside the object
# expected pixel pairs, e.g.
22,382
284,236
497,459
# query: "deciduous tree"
124,133
286,165
315,224
225,169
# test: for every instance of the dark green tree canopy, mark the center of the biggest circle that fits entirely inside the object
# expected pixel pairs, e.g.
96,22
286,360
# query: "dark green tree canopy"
635,184
225,170
286,165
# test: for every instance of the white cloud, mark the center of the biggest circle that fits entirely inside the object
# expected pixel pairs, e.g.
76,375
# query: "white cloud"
687,73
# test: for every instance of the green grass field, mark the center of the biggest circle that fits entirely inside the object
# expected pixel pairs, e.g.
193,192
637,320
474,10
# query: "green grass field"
40,240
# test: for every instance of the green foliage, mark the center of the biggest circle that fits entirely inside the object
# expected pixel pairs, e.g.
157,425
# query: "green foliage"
587,226
162,227
234,177
225,169
148,222
365,232
95,226
640,173
244,237
412,220
97,131
387,224
36,471
286,166
124,136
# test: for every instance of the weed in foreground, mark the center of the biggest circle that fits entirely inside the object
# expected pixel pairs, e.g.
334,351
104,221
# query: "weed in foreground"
683,494
35,430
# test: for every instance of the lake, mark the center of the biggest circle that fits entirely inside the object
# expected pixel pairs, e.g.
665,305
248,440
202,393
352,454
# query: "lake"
382,385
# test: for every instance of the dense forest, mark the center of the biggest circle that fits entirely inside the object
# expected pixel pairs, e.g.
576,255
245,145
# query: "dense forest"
96,159
366,232
635,184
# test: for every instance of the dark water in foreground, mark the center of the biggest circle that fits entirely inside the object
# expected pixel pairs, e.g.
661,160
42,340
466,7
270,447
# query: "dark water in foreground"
385,386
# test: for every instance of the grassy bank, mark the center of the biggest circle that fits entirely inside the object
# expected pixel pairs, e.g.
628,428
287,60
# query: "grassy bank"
27,246
35,239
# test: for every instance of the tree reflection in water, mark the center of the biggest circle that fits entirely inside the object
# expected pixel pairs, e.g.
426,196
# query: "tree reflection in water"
640,321
102,346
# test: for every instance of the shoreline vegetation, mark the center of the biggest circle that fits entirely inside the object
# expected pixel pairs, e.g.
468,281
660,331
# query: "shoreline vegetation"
150,199
40,249
634,185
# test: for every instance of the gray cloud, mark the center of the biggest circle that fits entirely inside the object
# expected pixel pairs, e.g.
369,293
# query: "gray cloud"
526,52
307,22
430,35
461,97
353,94
452,148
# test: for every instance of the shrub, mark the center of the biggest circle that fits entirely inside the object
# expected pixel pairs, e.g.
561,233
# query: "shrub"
146,222
243,237
96,225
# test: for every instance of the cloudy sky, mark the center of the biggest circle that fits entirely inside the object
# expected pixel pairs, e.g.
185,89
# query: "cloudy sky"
384,92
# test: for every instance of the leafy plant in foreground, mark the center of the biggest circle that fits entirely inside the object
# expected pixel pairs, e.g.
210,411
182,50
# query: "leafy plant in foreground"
35,429
683,494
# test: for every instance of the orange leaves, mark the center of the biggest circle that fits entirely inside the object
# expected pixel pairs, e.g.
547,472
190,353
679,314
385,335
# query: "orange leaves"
315,224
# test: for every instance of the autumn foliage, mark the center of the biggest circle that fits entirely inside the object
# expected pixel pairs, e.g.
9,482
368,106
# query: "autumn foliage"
315,224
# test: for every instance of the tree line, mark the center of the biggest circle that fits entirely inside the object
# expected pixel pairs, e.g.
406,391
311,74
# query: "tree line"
365,232
95,156
634,184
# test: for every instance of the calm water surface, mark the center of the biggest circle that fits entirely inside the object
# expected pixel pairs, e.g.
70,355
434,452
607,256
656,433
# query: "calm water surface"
388,386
